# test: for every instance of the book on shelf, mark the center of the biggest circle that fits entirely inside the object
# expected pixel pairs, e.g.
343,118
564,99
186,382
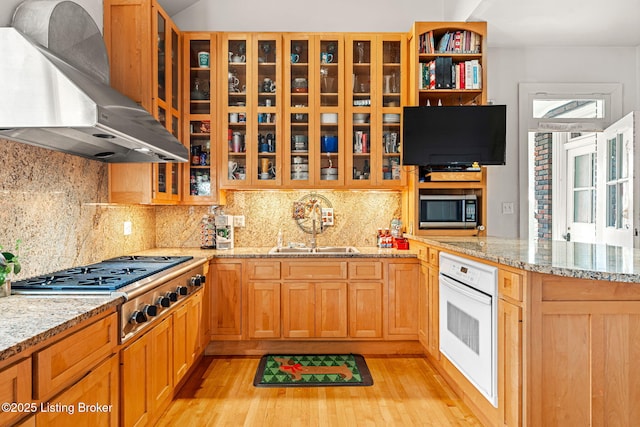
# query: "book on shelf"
450,42
443,73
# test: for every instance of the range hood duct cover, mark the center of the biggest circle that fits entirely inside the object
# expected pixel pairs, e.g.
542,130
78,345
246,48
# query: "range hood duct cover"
54,78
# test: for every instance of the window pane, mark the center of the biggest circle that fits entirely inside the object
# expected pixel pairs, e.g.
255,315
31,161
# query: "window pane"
612,159
612,207
568,108
582,175
582,206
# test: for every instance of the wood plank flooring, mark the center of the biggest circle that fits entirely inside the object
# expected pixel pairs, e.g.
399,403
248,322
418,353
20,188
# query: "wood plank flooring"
407,391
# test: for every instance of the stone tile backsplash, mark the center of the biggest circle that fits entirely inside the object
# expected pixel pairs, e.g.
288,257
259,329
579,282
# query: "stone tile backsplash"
57,205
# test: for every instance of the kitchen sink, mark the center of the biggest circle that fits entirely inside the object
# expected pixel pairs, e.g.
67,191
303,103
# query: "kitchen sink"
319,250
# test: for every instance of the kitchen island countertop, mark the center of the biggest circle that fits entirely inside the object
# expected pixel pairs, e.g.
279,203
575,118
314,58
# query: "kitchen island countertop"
568,259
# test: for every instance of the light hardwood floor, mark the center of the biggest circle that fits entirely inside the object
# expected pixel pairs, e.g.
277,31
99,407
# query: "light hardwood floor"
407,391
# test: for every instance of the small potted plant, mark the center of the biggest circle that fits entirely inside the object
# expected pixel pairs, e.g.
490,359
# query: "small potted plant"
9,263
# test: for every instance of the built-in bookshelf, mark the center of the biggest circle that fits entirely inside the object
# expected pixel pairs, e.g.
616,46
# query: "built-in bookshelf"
447,63
447,67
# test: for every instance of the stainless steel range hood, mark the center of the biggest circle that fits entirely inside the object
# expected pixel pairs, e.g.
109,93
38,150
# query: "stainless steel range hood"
55,96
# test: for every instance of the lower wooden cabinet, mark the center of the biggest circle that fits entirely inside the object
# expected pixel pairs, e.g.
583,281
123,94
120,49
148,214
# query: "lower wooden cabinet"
225,302
365,310
147,375
92,401
263,300
509,364
15,386
403,279
314,310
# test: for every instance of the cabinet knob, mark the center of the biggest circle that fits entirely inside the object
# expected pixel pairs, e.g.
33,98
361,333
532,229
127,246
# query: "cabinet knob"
197,280
173,296
182,290
164,302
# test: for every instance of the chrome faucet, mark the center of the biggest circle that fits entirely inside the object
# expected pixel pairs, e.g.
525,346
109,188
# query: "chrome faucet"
314,220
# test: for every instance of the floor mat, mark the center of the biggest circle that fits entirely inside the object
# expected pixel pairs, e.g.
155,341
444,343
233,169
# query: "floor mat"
312,370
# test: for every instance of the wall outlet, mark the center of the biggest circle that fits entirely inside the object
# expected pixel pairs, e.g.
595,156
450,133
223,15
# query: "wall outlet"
238,221
507,208
127,228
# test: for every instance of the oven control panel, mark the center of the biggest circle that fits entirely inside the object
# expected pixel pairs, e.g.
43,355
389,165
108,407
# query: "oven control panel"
139,313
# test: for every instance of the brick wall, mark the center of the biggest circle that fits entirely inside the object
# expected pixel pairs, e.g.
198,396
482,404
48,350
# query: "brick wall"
542,185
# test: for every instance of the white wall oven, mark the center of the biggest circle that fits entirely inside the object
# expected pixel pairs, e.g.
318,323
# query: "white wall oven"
468,321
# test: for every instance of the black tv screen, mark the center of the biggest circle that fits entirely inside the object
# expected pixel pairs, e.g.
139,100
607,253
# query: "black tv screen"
454,136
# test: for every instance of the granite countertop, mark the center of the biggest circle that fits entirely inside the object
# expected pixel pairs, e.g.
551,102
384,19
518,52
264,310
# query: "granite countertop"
569,259
28,320
263,252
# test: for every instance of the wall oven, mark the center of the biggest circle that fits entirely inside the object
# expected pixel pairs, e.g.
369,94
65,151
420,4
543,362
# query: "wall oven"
448,211
468,321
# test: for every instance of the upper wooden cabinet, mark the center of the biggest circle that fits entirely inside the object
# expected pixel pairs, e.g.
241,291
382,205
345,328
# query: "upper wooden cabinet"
201,121
250,110
145,61
375,88
447,63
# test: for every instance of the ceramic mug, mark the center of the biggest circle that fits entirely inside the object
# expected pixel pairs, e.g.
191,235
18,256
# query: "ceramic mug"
233,166
233,117
265,165
326,58
203,59
295,58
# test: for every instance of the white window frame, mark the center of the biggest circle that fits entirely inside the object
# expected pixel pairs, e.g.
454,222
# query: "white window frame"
611,93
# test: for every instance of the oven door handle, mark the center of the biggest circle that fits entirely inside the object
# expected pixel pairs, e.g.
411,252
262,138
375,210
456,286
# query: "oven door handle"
464,290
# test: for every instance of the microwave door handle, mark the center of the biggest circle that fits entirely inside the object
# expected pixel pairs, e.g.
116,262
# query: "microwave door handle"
464,290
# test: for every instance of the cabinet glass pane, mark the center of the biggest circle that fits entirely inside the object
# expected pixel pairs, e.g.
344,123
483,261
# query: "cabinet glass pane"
299,73
162,116
361,75
300,146
175,182
199,77
175,75
200,163
162,48
236,168
237,75
162,177
390,147
329,73
392,75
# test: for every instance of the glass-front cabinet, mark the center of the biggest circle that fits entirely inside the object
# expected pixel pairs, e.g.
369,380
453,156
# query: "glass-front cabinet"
166,104
314,110
251,96
373,115
200,119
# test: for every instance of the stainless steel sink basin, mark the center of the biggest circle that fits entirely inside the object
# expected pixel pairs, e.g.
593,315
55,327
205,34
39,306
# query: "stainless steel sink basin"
324,250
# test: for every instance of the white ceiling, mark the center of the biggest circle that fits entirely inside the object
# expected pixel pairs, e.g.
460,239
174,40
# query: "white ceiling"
529,22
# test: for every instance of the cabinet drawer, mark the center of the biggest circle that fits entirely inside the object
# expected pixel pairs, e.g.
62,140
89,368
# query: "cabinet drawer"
263,270
70,358
510,284
365,270
314,270
15,387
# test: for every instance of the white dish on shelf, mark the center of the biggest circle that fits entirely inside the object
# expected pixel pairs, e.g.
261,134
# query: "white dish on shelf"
329,118
391,118
299,151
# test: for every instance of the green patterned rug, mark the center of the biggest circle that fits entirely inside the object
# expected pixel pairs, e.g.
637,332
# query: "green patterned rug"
312,370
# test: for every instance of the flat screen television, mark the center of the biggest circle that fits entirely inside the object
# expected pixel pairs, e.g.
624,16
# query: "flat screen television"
454,137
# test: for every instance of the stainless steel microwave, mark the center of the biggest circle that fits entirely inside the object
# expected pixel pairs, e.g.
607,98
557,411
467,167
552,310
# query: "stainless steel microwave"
448,211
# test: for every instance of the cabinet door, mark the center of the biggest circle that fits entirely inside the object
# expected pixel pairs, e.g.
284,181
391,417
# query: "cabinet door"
509,363
423,309
200,119
365,310
226,301
263,301
331,310
298,310
160,367
99,387
15,386
237,97
136,378
181,354
434,312
403,300
266,145
194,327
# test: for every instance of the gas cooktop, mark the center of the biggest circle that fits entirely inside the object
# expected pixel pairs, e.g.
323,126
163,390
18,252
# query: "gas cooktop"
107,275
